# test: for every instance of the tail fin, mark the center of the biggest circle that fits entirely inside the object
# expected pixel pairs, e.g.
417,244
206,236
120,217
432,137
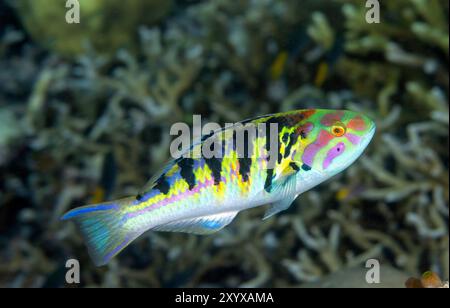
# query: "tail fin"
102,228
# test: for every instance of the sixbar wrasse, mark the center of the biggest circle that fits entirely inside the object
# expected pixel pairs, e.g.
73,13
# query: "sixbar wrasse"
203,195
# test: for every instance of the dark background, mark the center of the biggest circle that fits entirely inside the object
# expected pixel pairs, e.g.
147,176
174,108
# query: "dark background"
85,112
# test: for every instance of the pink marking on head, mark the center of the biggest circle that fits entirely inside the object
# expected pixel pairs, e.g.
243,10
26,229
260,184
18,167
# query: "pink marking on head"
334,152
311,150
331,118
324,137
353,138
357,123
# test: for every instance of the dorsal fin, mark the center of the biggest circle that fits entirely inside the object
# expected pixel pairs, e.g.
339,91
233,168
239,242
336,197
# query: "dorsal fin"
169,165
153,180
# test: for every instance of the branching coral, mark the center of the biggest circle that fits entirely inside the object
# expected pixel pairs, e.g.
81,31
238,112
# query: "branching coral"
96,128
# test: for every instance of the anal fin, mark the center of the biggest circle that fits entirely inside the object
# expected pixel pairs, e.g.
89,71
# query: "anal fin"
199,225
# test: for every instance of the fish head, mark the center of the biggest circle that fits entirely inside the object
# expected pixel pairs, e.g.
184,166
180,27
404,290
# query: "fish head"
331,140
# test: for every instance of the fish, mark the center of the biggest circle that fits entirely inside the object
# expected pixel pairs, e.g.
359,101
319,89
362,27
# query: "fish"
201,195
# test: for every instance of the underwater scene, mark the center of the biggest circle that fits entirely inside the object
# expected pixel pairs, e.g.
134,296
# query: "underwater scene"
94,95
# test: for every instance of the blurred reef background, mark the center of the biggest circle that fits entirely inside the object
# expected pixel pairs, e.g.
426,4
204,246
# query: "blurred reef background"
85,112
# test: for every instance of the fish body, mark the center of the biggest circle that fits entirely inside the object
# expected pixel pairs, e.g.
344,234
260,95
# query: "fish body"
202,194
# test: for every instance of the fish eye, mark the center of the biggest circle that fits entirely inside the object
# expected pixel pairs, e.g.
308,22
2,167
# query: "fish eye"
338,129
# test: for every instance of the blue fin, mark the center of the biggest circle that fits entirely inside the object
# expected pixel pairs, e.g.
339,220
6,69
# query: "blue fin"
199,225
102,229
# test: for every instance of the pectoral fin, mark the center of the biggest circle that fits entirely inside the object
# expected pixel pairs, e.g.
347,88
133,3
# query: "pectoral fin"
285,188
279,206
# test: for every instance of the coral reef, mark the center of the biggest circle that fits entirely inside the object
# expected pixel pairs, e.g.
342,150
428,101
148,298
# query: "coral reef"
95,127
105,27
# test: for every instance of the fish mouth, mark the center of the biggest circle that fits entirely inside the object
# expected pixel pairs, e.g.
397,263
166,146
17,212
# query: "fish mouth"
365,141
368,137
